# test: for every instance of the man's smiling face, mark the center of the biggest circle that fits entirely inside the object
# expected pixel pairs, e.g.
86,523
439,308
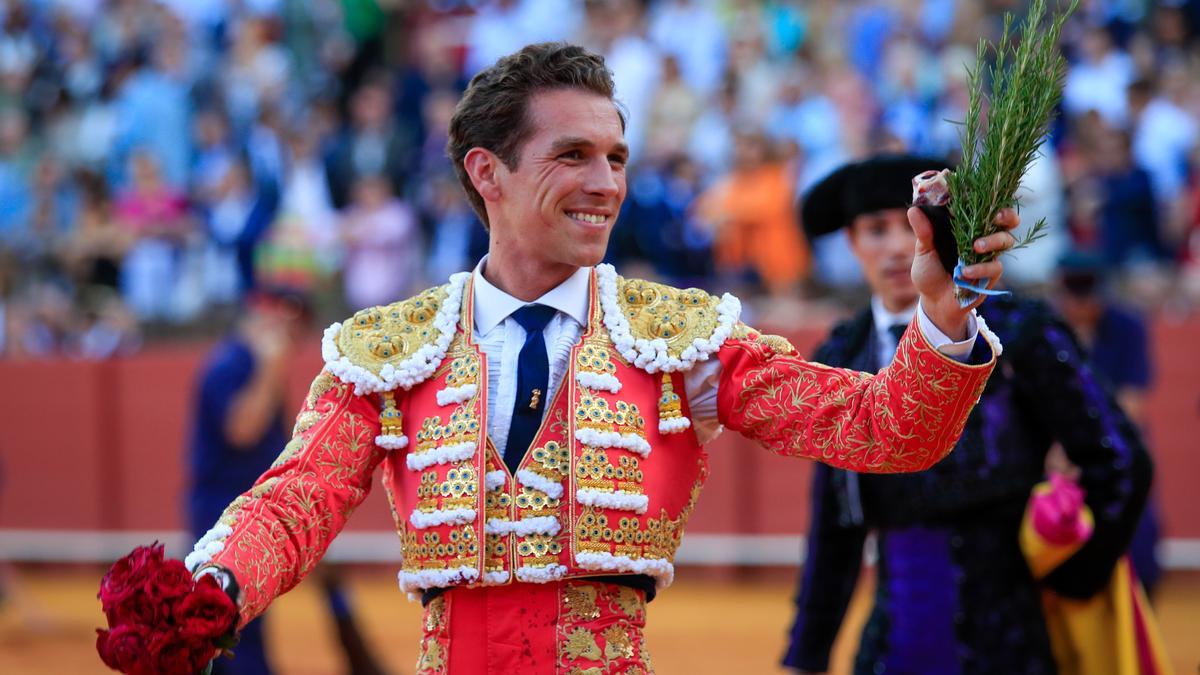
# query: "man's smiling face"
558,207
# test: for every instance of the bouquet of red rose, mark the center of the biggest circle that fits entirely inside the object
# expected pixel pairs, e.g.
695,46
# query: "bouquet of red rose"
160,619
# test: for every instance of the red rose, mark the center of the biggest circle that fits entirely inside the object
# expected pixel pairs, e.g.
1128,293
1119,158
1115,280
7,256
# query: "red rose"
206,612
126,579
104,650
139,608
169,583
124,648
173,652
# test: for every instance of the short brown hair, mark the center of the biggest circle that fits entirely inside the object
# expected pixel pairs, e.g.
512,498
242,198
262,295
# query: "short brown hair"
493,113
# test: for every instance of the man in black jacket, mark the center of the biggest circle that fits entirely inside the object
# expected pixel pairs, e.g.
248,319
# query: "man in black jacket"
954,595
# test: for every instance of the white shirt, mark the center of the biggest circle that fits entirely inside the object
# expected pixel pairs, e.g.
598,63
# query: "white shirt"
885,343
500,338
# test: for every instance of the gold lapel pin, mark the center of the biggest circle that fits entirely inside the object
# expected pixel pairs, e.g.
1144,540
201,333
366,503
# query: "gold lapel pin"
535,399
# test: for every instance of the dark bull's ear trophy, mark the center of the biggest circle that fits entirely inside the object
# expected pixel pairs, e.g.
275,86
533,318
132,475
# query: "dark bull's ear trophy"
931,194
943,236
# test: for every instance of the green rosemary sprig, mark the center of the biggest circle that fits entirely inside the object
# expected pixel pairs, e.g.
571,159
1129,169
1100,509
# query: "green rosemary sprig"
1026,84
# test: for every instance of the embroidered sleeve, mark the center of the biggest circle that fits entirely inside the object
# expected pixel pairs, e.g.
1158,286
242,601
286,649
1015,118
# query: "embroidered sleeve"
274,534
906,418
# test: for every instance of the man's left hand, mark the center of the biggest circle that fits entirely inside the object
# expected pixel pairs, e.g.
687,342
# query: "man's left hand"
936,286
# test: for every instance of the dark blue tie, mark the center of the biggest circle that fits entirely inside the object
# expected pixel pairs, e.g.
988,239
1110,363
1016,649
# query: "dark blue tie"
896,330
533,379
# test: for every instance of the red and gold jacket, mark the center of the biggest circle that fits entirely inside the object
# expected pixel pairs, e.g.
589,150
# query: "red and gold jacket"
615,469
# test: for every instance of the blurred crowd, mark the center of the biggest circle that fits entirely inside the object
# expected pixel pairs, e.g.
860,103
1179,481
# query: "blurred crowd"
160,158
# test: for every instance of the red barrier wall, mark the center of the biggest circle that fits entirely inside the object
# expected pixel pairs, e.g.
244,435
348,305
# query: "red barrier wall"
102,446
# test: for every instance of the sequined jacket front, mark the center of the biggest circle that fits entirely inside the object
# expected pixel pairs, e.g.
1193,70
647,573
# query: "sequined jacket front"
612,475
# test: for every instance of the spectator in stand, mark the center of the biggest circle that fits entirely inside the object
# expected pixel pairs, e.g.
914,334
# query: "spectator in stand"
157,217
1099,79
105,327
54,207
753,213
616,29
673,111
692,32
658,226
305,208
1041,196
804,115
18,156
91,254
712,140
214,151
152,110
1128,217
372,144
1164,134
383,245
237,213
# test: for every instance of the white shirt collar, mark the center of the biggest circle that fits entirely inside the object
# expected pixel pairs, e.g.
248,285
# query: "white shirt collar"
493,306
885,319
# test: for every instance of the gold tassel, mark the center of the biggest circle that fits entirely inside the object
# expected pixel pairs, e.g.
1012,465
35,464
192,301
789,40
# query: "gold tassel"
669,405
390,419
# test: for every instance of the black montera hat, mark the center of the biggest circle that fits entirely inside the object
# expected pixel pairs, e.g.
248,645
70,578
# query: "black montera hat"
883,182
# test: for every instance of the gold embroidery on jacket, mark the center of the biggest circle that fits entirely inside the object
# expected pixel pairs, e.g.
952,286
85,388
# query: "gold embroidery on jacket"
580,601
552,460
379,336
432,660
497,506
594,470
800,408
594,412
538,550
429,551
600,630
464,369
461,427
677,316
581,644
595,357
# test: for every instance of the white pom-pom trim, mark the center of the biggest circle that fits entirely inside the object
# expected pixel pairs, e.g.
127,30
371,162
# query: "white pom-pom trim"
410,581
536,481
391,441
411,371
212,543
524,527
673,425
494,480
624,501
613,439
662,570
598,381
218,531
651,355
444,454
988,335
424,519
195,559
496,578
541,575
452,395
